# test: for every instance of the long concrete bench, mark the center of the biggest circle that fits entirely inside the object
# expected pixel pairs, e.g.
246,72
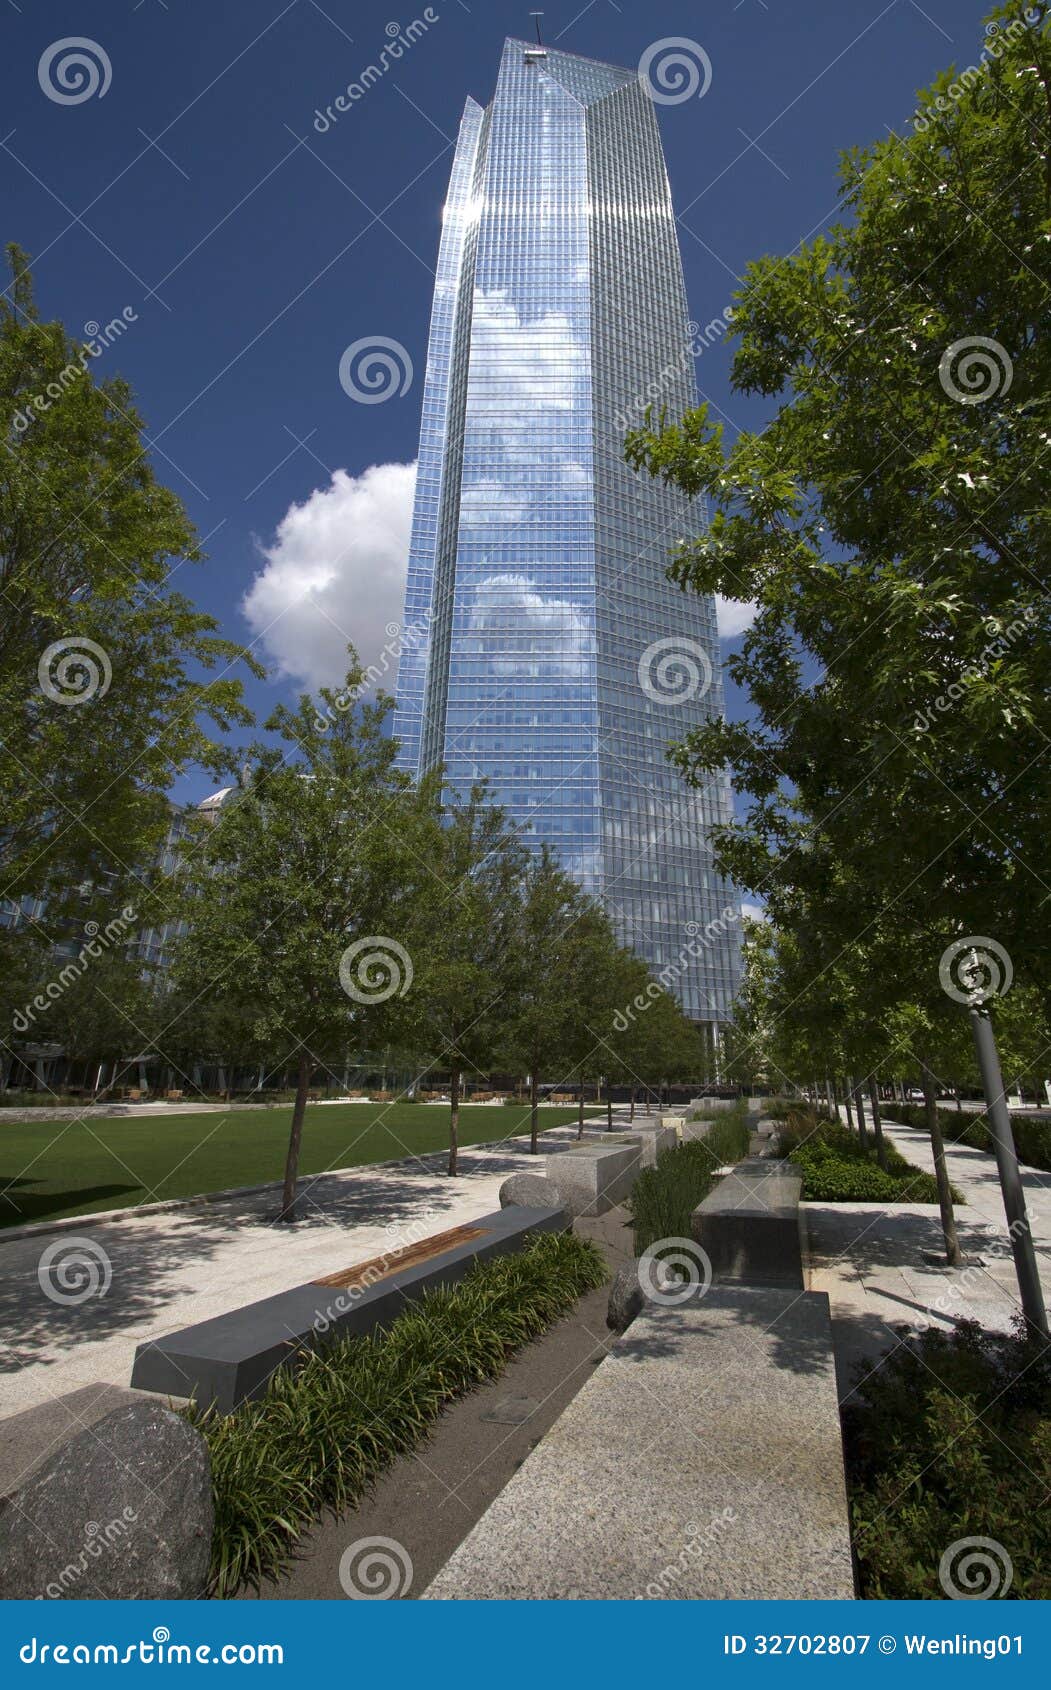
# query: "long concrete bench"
230,1359
701,1460
592,1178
751,1225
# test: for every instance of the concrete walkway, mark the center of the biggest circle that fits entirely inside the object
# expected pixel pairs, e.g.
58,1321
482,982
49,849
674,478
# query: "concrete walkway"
154,1273
873,1259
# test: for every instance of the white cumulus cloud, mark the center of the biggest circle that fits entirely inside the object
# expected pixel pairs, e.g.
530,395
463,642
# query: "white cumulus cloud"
734,616
335,572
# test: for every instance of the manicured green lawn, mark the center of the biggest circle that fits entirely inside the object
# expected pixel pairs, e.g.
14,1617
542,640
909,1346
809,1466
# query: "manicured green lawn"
53,1168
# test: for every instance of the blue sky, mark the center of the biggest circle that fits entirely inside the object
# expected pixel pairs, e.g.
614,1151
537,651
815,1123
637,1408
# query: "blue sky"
197,193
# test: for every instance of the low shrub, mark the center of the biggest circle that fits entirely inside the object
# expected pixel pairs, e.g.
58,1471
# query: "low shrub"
836,1169
949,1438
664,1197
329,1425
1032,1134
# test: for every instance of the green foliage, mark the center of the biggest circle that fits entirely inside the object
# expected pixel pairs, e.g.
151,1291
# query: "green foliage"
1032,1134
89,540
836,1169
897,663
328,1427
664,1197
949,1437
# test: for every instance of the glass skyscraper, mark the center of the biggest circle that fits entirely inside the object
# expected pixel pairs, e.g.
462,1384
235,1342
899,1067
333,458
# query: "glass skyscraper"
547,651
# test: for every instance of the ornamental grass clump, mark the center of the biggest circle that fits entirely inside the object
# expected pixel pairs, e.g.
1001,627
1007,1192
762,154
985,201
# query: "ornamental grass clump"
664,1197
330,1424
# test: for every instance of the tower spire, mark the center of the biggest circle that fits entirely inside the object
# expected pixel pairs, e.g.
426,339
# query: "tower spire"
536,16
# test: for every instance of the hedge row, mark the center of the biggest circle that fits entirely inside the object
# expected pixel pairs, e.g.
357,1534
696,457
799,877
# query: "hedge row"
1032,1136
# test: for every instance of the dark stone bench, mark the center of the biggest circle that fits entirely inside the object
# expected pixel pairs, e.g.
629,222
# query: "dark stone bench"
230,1359
751,1225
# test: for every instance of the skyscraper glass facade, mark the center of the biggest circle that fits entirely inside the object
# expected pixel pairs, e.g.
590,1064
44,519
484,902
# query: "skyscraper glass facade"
548,653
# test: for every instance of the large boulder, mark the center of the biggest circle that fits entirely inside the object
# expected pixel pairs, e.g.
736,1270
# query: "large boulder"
123,1511
628,1298
529,1191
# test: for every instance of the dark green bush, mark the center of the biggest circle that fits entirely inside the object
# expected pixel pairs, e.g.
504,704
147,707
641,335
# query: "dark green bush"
949,1437
663,1198
328,1427
836,1169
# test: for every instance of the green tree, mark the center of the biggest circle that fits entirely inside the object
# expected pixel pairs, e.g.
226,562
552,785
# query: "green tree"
464,943
100,696
299,888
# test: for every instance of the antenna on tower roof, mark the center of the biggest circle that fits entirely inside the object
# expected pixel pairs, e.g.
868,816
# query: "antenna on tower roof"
539,38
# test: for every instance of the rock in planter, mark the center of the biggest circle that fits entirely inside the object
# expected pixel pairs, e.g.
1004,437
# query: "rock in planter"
123,1511
529,1191
627,1299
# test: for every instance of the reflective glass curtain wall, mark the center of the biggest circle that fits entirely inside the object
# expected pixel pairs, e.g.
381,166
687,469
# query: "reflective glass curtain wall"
536,576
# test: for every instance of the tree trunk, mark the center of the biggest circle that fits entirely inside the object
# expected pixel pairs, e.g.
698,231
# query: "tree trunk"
631,1117
609,1108
953,1255
580,1117
846,1099
454,1121
295,1139
859,1105
877,1123
534,1132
